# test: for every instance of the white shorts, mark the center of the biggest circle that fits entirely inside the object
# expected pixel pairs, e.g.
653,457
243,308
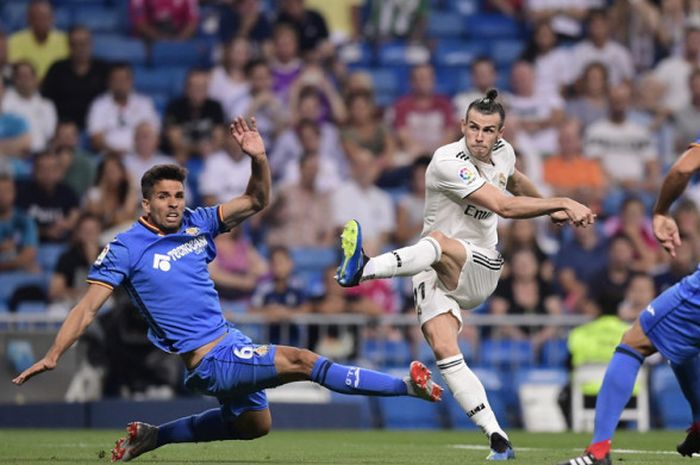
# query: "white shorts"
477,281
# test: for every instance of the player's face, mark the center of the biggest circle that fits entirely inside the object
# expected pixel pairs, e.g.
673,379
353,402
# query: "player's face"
481,133
165,206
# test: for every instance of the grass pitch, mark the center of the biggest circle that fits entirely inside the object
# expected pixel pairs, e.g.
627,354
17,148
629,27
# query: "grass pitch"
24,447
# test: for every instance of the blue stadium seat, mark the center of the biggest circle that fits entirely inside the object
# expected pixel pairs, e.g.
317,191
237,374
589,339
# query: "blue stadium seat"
31,307
667,398
445,24
447,79
356,54
191,53
458,52
554,353
160,101
464,7
386,81
506,353
386,353
407,413
506,51
313,258
113,47
63,18
492,26
97,18
400,53
14,16
10,281
48,255
164,80
81,2
426,355
20,354
558,376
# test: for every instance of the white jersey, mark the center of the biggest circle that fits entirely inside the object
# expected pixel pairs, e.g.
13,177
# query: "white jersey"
452,175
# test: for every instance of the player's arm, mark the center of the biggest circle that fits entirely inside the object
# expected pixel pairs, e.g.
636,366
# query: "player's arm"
521,185
675,182
492,198
73,327
257,194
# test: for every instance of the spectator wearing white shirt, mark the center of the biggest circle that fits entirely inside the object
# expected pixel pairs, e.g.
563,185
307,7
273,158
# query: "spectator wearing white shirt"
114,115
625,148
673,72
225,174
538,114
600,47
26,101
566,16
145,154
228,83
552,63
360,199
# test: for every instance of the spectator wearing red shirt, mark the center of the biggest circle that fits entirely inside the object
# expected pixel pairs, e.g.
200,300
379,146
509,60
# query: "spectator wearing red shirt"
164,19
423,119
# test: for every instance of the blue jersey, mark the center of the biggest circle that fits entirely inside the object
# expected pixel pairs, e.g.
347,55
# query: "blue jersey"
167,278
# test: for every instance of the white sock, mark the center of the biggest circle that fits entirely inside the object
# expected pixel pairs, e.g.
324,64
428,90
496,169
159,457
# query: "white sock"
469,393
406,261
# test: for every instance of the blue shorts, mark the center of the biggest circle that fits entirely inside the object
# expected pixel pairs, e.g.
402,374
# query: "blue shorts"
235,371
672,321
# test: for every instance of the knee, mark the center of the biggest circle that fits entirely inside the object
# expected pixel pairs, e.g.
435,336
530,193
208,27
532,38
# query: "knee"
637,340
439,237
249,430
258,430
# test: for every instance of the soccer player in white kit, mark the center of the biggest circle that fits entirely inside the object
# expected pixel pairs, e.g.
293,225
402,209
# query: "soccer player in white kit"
455,265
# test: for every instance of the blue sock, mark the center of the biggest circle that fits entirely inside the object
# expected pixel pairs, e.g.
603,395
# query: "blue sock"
616,391
203,427
354,380
688,375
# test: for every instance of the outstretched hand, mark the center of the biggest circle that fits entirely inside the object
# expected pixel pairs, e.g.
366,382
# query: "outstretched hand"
39,367
666,232
248,137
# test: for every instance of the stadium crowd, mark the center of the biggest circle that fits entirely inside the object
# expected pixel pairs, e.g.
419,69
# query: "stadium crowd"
352,97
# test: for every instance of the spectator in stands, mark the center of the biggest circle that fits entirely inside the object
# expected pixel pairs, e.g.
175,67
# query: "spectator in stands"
359,198
114,115
423,119
686,121
600,47
538,114
581,256
280,299
640,291
673,17
238,266
570,174
48,199
552,63
344,18
310,26
285,62
113,197
26,101
78,165
649,109
225,174
145,154
610,283
483,77
271,115
18,233
522,235
633,25
357,82
40,43
228,83
298,217
396,19
525,293
633,222
590,100
313,80
245,19
155,20
673,71
5,66
565,17
409,213
68,279
365,131
681,265
193,123
625,148
15,139
687,217
74,82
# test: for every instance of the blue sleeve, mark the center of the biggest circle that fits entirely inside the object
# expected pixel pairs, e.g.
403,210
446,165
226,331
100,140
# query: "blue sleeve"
30,235
111,266
208,219
15,126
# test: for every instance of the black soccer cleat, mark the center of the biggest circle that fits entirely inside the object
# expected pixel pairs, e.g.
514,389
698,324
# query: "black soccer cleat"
501,448
691,444
587,459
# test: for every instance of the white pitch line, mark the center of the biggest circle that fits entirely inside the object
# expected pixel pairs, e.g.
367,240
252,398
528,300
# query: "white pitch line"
542,449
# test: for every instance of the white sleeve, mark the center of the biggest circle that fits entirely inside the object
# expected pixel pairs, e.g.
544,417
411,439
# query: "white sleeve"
455,177
95,123
150,113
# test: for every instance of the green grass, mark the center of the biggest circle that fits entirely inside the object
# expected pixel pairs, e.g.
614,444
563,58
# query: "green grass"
332,447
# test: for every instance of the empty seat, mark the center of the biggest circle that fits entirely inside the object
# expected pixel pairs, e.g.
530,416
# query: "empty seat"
313,258
506,353
166,80
112,47
400,53
458,52
96,18
408,413
492,26
507,51
11,281
554,353
191,53
445,24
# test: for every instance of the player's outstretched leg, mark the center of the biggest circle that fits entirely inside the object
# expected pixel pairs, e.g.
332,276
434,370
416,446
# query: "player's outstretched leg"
615,392
140,438
688,374
407,261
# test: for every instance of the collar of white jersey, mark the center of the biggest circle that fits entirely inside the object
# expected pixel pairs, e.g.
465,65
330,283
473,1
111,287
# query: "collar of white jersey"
472,158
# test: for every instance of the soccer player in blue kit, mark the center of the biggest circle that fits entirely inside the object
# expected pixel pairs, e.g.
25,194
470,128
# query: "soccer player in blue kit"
162,263
669,325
